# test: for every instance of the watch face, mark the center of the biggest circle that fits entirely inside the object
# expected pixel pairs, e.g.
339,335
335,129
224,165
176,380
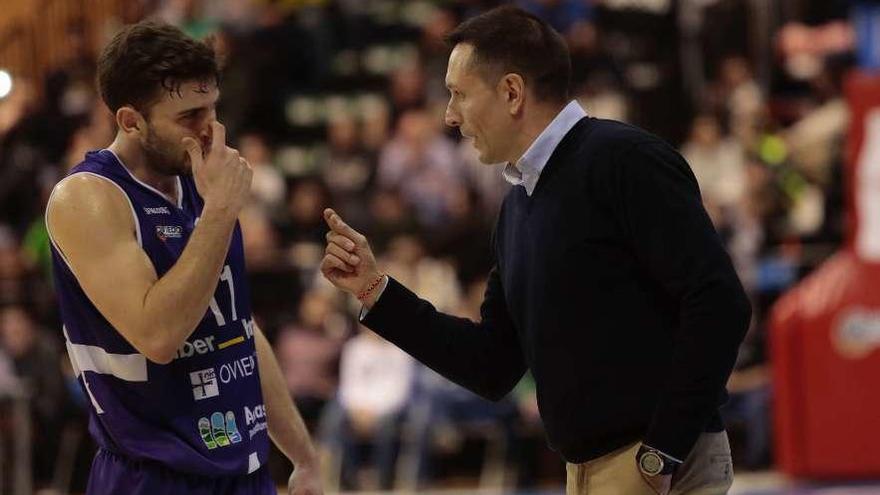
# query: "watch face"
651,464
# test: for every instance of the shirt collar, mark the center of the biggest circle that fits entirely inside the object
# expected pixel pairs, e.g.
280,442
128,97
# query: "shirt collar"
527,170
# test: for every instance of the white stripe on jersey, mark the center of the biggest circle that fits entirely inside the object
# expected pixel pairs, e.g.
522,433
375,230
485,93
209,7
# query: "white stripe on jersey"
128,367
253,462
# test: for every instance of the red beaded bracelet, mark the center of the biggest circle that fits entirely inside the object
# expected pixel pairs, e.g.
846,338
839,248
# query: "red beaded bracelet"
370,288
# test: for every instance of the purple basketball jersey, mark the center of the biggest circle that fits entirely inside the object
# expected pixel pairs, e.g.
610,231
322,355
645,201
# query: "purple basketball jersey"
202,413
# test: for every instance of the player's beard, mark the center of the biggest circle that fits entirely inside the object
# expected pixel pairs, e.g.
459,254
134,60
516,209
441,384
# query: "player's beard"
163,157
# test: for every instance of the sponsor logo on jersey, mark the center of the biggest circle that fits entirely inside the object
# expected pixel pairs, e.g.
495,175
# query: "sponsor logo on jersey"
219,430
248,325
255,419
196,346
164,232
254,414
206,345
204,383
231,342
857,333
238,368
158,210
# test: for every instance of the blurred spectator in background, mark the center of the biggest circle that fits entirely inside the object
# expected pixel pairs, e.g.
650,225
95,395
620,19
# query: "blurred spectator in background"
462,240
406,260
375,127
433,52
738,95
423,164
302,228
561,14
303,223
260,239
390,215
14,283
275,281
747,411
268,186
407,89
188,15
308,351
718,162
349,168
36,361
815,140
283,60
95,131
443,413
70,96
375,383
232,46
596,80
26,141
9,384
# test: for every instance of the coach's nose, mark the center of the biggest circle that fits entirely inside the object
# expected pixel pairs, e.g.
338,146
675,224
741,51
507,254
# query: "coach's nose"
452,118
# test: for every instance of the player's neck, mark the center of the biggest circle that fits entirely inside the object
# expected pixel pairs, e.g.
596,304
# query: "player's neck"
132,158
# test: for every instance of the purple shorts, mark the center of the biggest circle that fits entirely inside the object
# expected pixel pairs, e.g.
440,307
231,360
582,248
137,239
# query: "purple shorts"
113,474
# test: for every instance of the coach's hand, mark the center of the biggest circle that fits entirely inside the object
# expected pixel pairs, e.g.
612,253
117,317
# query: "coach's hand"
660,484
348,260
222,177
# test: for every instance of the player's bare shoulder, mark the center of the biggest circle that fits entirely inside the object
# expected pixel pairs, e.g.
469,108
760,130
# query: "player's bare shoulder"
84,205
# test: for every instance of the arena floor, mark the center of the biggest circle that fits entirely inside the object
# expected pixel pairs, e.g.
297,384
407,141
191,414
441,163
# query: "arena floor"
745,484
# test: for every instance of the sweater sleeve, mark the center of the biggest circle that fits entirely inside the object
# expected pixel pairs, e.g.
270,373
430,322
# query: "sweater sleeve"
484,357
657,202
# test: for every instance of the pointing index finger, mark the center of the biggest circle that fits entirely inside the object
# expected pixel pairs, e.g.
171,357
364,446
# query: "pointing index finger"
339,226
218,137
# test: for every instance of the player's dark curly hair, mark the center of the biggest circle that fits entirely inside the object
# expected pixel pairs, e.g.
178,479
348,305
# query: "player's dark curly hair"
146,58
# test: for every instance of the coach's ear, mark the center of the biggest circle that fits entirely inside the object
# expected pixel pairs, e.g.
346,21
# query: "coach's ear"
512,88
130,121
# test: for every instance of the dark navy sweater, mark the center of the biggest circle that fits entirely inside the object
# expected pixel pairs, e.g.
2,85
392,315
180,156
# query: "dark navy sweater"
611,286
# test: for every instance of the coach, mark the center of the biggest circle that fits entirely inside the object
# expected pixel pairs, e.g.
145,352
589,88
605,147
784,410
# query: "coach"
610,283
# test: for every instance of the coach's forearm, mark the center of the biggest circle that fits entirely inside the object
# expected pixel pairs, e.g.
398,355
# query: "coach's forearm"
483,357
176,303
286,427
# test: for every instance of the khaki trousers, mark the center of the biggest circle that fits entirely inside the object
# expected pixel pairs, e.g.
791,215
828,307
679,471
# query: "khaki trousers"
708,470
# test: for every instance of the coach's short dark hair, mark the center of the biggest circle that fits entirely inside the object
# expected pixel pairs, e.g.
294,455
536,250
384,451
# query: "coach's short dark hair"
508,39
144,59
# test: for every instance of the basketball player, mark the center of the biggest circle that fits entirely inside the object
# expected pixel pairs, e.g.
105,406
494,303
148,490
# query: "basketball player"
149,269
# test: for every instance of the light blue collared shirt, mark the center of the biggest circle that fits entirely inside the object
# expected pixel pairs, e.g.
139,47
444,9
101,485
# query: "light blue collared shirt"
527,170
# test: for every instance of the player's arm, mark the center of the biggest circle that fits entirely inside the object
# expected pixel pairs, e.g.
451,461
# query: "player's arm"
286,427
91,222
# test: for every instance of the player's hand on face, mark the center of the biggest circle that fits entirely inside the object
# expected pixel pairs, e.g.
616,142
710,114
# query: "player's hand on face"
348,261
222,176
305,481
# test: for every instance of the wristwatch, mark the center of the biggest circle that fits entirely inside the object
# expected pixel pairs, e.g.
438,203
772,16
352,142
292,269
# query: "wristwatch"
652,462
